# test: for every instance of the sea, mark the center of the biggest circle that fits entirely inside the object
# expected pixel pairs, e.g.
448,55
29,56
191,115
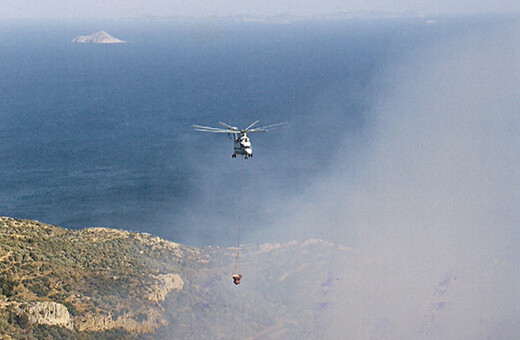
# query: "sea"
100,135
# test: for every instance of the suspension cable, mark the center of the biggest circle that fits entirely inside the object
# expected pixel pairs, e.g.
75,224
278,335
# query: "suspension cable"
237,259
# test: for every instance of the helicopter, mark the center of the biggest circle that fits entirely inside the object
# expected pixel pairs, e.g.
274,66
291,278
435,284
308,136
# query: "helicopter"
241,142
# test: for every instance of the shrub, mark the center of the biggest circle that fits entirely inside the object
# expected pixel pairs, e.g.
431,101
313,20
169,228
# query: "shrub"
22,320
7,286
39,289
71,308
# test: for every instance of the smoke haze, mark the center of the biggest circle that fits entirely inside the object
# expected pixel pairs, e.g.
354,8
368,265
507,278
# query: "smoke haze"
431,209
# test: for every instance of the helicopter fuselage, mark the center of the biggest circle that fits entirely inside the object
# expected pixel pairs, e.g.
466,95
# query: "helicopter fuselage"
241,143
242,146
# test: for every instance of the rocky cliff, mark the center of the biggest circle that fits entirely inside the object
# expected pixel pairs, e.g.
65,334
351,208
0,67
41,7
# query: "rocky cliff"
49,313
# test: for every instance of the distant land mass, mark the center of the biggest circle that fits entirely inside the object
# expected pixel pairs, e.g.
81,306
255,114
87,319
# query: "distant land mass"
100,37
287,18
98,283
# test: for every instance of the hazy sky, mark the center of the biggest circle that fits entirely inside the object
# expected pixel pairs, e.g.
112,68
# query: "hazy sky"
132,8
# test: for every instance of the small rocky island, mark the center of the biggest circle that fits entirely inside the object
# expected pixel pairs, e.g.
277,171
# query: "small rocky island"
100,37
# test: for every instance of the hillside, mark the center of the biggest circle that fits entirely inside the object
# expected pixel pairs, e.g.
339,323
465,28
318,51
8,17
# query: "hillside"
105,283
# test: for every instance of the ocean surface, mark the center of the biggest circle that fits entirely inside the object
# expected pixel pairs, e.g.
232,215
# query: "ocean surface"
100,135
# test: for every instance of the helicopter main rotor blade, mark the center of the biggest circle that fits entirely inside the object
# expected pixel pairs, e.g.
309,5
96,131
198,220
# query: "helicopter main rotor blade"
216,131
212,129
206,127
267,127
234,128
250,126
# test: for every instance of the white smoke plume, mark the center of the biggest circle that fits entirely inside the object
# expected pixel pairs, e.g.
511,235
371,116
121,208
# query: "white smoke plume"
431,208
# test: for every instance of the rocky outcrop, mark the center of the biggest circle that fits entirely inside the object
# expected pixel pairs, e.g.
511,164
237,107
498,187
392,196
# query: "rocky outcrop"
164,285
145,321
50,313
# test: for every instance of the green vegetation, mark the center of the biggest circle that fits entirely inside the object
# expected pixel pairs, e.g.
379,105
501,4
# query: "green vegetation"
98,271
7,286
